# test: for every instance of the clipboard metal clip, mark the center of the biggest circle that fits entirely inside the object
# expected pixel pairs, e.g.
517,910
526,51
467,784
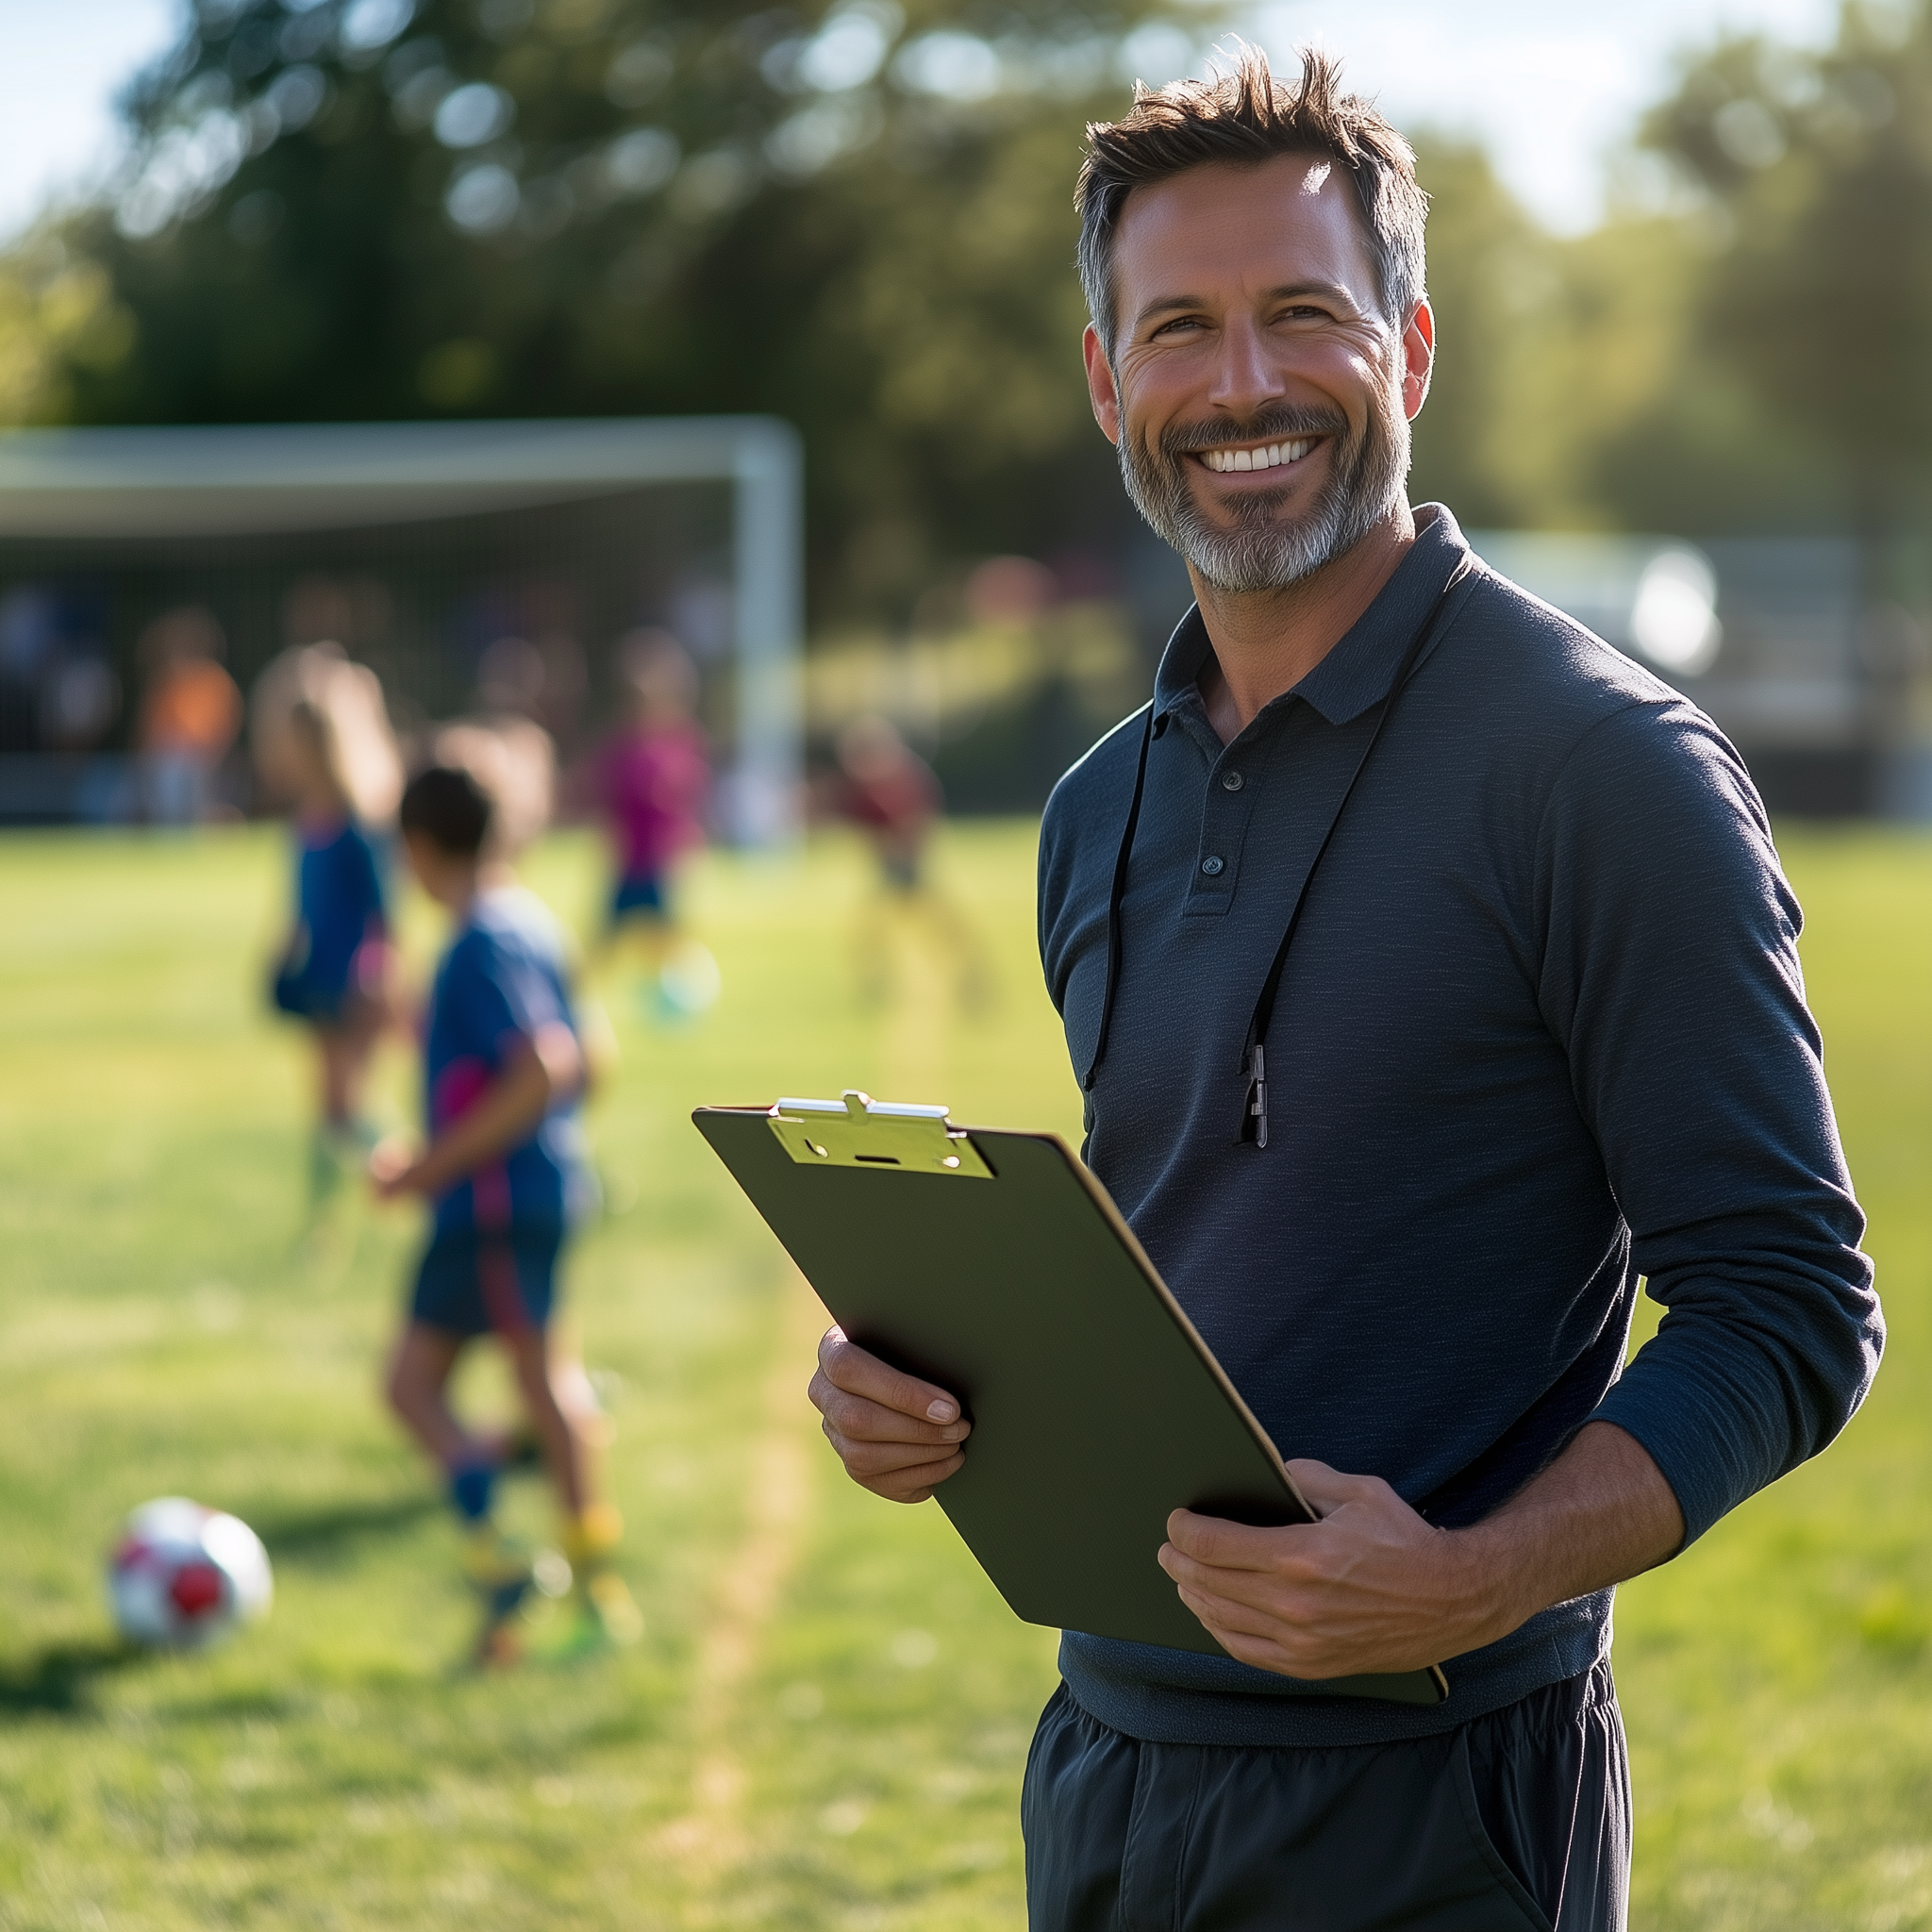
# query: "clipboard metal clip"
860,1131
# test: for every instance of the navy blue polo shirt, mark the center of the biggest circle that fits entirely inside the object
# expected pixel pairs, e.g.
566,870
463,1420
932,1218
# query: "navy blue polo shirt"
1542,1031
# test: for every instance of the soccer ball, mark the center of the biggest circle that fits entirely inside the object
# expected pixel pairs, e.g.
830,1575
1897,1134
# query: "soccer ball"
183,1576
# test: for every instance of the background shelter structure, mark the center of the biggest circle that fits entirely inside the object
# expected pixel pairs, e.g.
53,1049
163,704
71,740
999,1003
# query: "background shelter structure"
1772,637
421,547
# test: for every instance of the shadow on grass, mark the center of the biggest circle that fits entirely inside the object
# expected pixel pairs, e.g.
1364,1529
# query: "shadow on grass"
60,1676
319,1534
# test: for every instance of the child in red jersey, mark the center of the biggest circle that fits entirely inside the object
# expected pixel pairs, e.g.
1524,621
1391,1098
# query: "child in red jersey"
883,786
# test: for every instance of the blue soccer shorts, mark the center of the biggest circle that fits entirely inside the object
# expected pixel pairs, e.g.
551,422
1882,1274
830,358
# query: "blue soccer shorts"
473,1283
641,892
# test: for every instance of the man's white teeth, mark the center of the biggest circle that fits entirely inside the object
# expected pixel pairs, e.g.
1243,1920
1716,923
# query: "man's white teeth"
1271,458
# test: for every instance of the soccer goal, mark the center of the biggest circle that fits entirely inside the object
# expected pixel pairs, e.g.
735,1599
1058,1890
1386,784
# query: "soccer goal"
423,548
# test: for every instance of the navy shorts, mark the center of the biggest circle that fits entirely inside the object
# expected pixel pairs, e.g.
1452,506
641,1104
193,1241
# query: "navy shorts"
479,1284
305,998
644,894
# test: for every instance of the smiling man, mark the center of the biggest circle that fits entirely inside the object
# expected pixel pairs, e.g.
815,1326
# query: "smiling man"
1432,981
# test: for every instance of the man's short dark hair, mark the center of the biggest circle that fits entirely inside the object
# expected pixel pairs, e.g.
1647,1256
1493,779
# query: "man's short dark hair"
449,808
1246,117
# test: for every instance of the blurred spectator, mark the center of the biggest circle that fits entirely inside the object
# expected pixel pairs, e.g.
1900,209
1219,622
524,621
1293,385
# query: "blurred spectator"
1010,590
191,712
544,682
509,678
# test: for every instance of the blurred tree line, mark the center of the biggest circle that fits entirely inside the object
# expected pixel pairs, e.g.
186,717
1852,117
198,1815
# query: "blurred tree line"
1737,347
859,217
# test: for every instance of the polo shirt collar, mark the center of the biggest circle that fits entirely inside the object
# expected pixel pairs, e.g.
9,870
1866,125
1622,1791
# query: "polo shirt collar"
1356,673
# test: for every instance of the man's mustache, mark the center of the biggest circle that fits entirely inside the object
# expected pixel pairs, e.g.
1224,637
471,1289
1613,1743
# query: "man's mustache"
1277,422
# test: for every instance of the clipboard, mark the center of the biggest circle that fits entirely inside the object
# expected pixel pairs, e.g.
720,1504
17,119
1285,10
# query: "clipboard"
994,1264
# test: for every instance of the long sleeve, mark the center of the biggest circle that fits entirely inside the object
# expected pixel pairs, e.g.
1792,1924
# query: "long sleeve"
1670,974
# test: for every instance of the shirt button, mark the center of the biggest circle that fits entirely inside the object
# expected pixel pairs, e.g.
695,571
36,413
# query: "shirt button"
1212,865
1232,781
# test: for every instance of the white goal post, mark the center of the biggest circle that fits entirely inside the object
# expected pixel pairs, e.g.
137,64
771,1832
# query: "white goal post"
97,485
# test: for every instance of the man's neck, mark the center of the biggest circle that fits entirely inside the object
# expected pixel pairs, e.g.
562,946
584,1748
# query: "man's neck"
1266,641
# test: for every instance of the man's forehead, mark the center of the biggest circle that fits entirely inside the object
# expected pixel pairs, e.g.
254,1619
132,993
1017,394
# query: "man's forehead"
1294,214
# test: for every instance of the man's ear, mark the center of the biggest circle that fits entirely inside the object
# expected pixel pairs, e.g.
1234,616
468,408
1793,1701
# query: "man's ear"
1418,359
1100,385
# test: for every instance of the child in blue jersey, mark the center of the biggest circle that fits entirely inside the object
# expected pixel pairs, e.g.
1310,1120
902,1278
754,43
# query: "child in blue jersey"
322,739
503,1072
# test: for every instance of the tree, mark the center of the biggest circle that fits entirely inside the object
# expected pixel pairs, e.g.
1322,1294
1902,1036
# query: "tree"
375,209
58,318
1821,294
1489,268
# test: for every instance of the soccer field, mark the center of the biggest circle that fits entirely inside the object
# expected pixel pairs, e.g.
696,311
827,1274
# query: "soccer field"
825,1721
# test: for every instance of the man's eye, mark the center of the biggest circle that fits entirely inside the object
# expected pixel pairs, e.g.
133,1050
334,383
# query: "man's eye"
1179,323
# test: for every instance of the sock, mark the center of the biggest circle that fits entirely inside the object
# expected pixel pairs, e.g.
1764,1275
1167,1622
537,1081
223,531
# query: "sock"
589,1539
471,1486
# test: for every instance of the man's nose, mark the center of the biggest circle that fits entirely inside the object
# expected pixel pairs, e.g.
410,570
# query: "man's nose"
1247,376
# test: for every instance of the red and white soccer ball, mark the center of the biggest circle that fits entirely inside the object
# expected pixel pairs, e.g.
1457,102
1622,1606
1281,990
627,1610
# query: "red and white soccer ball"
183,1576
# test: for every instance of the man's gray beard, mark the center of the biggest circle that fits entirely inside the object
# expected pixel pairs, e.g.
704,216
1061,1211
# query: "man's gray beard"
1261,554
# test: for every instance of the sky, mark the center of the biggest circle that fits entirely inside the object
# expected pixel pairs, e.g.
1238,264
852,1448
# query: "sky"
1550,86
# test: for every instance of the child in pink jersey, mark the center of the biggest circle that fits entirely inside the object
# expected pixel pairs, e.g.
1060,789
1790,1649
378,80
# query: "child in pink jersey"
653,778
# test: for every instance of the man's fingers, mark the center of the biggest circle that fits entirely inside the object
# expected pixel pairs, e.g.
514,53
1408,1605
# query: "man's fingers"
897,1436
856,1372
866,1457
911,1482
1226,1545
1260,1595
1328,1489
1224,1619
864,1420
925,1478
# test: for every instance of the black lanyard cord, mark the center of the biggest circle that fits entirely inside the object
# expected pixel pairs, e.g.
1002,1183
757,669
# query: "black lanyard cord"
1114,897
1253,1126
1255,1048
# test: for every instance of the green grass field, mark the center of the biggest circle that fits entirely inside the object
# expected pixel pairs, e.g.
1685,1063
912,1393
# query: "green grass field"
825,1721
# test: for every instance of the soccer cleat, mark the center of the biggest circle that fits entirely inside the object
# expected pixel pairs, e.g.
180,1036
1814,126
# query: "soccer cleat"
607,1601
498,1646
602,1615
501,1573
605,1611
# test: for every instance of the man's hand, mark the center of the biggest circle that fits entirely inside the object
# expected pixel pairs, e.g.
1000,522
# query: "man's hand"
1371,1587
1374,1588
897,1436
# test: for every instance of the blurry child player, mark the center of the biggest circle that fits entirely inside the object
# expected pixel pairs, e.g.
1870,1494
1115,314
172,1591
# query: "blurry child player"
884,788
503,1072
653,780
322,741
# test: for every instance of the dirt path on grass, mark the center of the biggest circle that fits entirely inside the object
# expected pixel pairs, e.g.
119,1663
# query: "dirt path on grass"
710,1837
